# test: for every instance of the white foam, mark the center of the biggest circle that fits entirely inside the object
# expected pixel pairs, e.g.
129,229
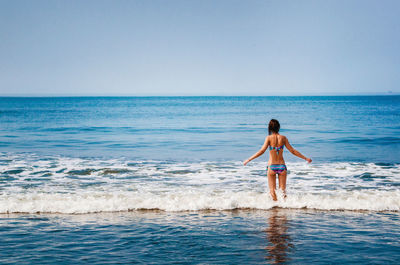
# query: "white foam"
194,201
75,185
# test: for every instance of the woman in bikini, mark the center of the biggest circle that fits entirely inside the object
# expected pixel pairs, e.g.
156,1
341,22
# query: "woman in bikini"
276,163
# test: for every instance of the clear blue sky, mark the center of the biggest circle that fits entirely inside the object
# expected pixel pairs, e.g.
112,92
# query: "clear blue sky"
199,47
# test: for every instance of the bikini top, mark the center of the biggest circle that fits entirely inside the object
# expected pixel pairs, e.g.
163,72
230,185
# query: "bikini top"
277,148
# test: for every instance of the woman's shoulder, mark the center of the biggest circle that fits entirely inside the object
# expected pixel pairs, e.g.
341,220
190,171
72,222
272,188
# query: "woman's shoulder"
280,136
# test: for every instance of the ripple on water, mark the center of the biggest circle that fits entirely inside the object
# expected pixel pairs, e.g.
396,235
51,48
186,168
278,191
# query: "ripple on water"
277,235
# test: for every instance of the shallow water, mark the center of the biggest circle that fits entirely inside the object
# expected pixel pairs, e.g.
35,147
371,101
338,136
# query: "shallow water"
211,237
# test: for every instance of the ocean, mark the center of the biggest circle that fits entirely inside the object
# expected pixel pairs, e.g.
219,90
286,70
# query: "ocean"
160,180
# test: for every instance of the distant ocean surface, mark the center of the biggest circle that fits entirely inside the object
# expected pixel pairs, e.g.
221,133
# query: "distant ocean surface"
143,172
329,129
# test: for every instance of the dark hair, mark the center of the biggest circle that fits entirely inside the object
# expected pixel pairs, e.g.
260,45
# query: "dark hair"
273,126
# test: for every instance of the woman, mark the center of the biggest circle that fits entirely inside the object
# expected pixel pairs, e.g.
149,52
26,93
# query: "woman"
276,163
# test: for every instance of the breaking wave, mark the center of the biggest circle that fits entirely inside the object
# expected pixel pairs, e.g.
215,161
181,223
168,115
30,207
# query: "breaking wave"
32,184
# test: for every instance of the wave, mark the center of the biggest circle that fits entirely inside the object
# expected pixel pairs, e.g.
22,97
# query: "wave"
194,201
55,184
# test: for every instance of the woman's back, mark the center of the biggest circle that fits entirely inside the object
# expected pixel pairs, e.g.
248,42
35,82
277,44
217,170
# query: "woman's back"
276,142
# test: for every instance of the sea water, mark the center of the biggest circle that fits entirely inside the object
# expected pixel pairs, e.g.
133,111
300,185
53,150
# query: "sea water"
161,180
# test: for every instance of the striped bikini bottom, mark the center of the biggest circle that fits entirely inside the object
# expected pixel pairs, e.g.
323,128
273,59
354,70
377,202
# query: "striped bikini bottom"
277,168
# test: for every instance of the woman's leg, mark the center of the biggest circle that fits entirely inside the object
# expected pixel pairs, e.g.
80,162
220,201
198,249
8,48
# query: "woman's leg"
272,183
282,182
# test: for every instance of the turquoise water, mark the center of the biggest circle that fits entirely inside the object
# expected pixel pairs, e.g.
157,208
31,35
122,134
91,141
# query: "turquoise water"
161,180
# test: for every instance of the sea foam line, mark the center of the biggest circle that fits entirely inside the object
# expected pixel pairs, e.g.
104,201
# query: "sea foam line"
91,202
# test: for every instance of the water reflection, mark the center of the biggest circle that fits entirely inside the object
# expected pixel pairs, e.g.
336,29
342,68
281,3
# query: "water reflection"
278,237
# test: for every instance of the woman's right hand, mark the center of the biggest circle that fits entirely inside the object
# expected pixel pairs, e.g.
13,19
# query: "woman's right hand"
245,162
309,160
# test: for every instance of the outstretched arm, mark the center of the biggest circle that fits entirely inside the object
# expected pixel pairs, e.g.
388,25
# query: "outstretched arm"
260,152
295,152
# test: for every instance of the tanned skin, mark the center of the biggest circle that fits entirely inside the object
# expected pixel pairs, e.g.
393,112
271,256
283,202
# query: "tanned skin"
276,140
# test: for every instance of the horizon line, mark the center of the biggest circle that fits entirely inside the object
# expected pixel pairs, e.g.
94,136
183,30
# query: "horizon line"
177,95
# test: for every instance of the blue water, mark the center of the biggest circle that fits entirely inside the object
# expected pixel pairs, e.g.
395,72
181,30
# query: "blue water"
238,237
160,180
202,128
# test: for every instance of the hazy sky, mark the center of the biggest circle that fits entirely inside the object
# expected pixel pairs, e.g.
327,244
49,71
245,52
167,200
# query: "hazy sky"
199,47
